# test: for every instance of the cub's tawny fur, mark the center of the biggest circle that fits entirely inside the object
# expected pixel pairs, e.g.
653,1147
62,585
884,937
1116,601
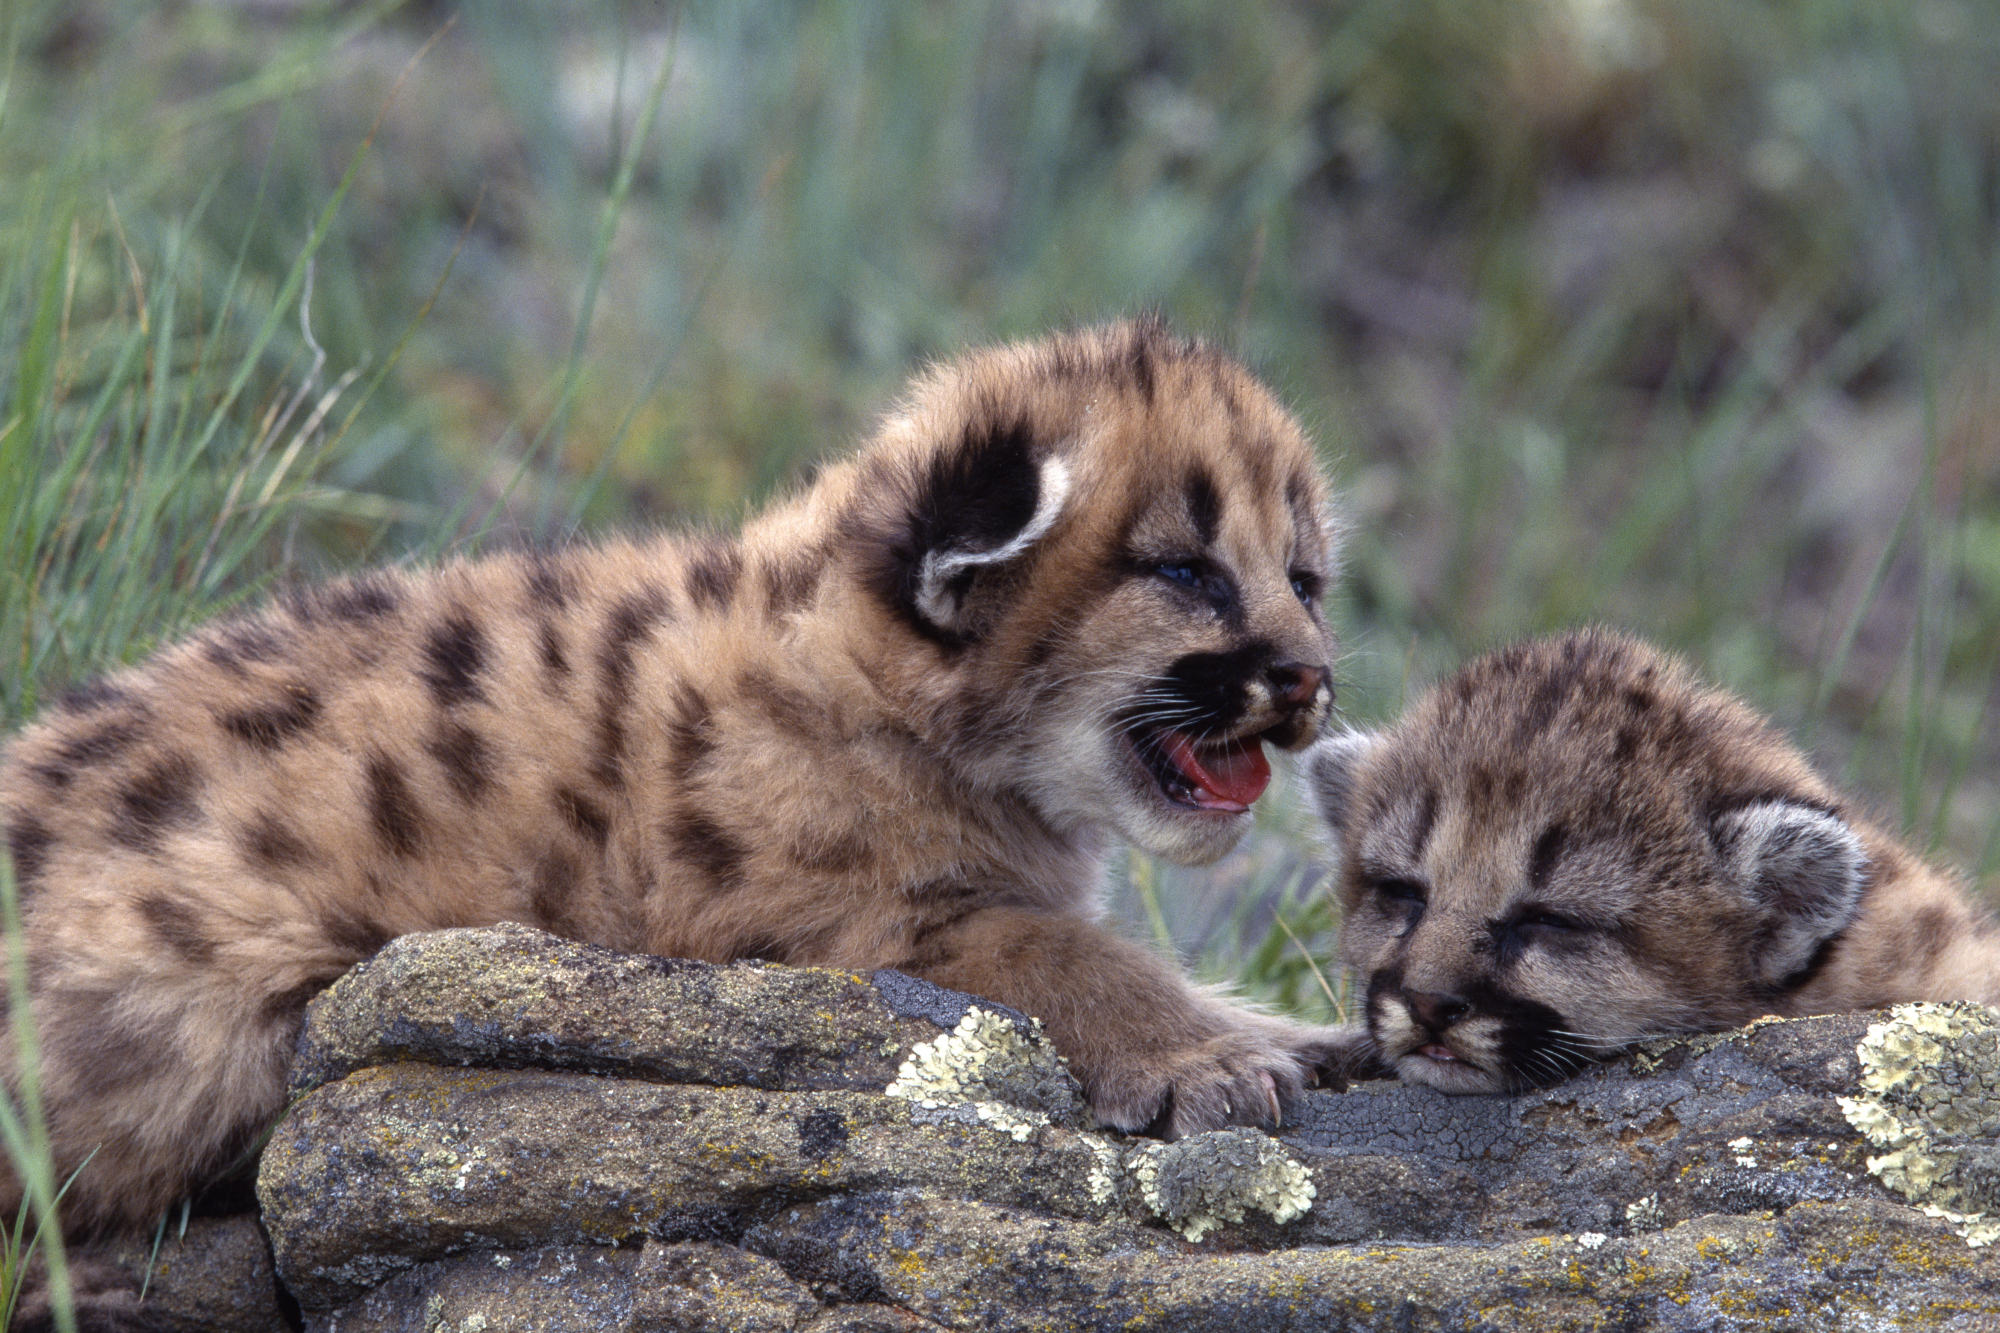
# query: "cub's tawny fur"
1065,593
1573,845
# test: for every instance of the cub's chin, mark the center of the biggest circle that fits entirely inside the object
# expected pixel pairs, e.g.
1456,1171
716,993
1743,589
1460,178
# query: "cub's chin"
1451,1075
1184,797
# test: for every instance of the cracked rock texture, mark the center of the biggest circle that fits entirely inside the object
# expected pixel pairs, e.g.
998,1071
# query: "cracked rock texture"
498,1130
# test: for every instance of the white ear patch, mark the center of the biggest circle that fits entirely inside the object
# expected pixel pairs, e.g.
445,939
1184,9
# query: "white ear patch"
1329,767
1804,867
940,577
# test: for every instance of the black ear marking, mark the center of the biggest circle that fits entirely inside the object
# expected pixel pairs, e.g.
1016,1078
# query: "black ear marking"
971,508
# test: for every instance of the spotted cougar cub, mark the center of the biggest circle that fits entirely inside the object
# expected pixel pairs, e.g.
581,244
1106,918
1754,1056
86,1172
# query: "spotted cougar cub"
1574,845
1067,593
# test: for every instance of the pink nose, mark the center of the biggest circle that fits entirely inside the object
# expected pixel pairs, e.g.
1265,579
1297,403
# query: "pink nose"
1295,683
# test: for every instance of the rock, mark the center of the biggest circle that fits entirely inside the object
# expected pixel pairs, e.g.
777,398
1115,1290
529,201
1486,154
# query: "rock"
499,1130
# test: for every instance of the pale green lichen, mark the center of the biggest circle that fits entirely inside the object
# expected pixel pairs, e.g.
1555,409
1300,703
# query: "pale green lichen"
1203,1181
1930,1099
1645,1214
1011,1080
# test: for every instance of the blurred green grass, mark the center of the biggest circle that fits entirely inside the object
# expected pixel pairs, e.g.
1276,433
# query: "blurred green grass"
1673,313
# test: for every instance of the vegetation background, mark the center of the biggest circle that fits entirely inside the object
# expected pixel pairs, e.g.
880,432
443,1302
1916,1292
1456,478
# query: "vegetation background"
1678,314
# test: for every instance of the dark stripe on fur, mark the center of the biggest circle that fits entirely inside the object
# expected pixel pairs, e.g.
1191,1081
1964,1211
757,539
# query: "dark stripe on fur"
28,840
707,846
454,656
392,807
466,758
176,926
1204,505
712,574
269,726
584,815
269,843
160,798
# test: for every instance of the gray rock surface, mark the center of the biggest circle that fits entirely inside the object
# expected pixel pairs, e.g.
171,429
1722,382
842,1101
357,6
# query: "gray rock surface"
497,1130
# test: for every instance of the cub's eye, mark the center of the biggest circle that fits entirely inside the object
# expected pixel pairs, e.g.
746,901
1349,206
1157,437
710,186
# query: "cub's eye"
1183,572
1305,586
1539,918
1404,892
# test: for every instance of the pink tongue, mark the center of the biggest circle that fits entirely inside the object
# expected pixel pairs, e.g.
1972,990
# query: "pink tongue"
1229,779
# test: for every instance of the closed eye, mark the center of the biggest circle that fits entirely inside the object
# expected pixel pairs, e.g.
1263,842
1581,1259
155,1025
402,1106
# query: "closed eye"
1395,889
1541,918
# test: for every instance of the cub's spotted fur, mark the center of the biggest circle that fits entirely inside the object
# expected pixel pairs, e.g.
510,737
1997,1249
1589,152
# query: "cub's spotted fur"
1574,845
1066,592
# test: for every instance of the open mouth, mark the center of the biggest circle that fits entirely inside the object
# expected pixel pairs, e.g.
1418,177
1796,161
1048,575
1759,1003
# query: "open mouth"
1222,777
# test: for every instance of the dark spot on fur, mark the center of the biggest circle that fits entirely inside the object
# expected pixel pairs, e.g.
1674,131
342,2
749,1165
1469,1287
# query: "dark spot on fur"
270,725
1426,820
289,1005
100,1046
1624,745
86,751
454,655
232,646
392,807
1139,362
1204,505
1932,929
270,843
688,737
1548,850
175,924
708,847
91,696
550,583
28,840
631,620
831,853
353,933
159,798
366,598
466,758
583,814
552,890
790,583
790,709
821,1134
712,574
1639,699
549,648
766,948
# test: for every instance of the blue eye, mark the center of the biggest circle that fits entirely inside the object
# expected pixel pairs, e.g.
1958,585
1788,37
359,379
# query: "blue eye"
1305,587
1182,572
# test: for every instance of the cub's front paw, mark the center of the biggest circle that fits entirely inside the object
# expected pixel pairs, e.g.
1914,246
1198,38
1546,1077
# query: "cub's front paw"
1345,1054
1244,1076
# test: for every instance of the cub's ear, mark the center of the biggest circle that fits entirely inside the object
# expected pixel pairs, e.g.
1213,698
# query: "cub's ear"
1329,766
1802,867
975,508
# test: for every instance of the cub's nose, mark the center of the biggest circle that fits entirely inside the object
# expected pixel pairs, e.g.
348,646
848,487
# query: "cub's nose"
1295,684
1436,1012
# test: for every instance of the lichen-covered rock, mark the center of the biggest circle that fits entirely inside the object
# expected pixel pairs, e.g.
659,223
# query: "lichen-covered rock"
511,995
1930,1097
917,1159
